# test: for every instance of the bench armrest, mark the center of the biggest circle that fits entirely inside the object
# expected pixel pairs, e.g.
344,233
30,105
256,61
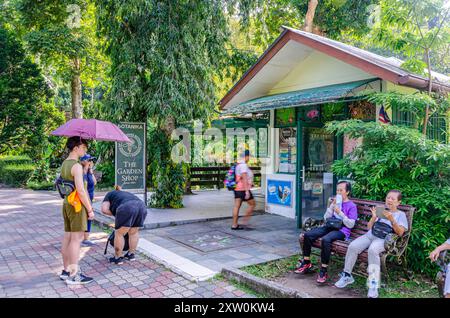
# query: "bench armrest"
392,244
443,260
311,223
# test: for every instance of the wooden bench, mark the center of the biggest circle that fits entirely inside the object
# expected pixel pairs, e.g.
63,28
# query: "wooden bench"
212,176
395,246
443,261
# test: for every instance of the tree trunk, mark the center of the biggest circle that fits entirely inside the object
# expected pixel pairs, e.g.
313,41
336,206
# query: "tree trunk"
77,107
430,85
309,18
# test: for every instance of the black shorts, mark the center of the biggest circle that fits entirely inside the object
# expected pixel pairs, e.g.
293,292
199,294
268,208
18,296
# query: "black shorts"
131,214
241,195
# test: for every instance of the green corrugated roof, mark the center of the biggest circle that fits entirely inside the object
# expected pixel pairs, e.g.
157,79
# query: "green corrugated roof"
311,96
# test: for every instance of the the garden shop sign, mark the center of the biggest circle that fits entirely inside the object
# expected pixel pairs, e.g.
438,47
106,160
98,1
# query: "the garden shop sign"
130,157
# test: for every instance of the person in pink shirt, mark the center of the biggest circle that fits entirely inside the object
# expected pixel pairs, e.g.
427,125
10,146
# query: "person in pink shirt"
242,193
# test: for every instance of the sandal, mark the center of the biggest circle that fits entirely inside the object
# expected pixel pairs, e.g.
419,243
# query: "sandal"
239,227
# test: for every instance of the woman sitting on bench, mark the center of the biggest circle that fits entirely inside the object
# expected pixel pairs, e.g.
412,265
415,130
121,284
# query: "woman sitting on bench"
388,220
340,217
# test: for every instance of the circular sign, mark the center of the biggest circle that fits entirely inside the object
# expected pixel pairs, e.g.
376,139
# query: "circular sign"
131,149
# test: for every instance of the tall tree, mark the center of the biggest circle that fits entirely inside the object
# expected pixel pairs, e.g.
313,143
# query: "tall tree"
165,55
62,35
416,29
26,117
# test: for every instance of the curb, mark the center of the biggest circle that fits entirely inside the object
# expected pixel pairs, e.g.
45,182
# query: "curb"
262,285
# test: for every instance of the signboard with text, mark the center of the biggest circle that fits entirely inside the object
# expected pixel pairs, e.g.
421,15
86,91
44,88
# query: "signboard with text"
130,157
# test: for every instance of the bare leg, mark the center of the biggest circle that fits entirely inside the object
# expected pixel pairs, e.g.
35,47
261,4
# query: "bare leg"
73,251
64,247
237,206
249,211
134,239
119,241
86,236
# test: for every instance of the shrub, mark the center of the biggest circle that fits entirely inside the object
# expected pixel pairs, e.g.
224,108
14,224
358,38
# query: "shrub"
108,174
44,185
13,160
17,175
393,157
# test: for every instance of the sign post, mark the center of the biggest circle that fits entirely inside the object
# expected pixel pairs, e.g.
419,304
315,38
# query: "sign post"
130,160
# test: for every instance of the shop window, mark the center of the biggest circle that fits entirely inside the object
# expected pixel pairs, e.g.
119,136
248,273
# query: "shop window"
285,117
287,156
309,113
333,111
363,110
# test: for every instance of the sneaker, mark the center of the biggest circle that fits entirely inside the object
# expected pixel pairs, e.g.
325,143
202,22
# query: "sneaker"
130,257
344,281
88,243
373,289
322,277
372,293
117,261
64,275
303,268
79,279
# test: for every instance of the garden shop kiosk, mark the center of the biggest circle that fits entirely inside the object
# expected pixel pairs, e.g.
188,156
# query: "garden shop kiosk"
304,80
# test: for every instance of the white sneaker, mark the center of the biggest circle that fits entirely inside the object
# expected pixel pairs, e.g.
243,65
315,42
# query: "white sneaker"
373,289
344,281
372,293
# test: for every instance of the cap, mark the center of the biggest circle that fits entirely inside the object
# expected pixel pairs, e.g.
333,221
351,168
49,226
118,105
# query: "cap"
87,157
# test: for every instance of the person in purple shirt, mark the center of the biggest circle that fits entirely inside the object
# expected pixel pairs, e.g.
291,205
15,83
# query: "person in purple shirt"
348,214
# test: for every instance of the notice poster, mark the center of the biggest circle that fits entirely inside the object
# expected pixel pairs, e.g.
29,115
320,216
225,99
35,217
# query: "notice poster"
279,192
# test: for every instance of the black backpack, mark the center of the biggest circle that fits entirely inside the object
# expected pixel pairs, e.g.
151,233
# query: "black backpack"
110,240
64,187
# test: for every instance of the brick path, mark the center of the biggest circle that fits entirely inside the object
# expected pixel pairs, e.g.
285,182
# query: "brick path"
31,231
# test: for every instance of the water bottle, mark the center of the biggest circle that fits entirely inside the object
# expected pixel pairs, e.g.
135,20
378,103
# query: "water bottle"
339,201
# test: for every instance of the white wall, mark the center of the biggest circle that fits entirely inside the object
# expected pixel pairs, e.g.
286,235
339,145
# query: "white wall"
319,70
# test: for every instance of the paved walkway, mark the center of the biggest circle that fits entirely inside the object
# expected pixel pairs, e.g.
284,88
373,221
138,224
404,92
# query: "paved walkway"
215,246
31,231
205,205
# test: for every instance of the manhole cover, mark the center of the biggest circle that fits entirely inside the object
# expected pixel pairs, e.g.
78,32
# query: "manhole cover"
211,241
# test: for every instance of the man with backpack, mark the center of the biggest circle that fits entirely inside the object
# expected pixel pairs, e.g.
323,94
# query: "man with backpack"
242,193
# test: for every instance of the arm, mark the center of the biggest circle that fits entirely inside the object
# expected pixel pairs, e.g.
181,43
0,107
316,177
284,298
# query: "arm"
93,175
105,208
77,172
328,212
435,254
398,229
373,219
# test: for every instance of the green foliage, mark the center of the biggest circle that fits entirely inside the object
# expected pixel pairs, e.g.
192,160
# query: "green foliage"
169,176
16,175
26,117
108,174
45,185
394,157
13,160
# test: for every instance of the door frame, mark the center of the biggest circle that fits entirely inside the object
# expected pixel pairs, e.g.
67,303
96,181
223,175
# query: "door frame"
337,144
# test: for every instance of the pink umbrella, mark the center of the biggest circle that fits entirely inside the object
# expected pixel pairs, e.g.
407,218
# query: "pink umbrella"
91,129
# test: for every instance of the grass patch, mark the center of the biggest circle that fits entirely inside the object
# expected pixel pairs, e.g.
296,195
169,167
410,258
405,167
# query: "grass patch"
397,286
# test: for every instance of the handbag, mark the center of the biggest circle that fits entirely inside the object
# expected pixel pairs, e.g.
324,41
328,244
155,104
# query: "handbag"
381,229
334,223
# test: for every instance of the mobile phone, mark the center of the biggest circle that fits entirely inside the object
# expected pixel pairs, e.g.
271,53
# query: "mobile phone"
379,210
339,201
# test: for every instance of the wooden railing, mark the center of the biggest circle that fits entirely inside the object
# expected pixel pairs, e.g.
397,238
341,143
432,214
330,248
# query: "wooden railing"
212,176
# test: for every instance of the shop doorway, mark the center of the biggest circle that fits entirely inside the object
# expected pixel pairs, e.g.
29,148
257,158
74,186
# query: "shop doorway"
317,152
